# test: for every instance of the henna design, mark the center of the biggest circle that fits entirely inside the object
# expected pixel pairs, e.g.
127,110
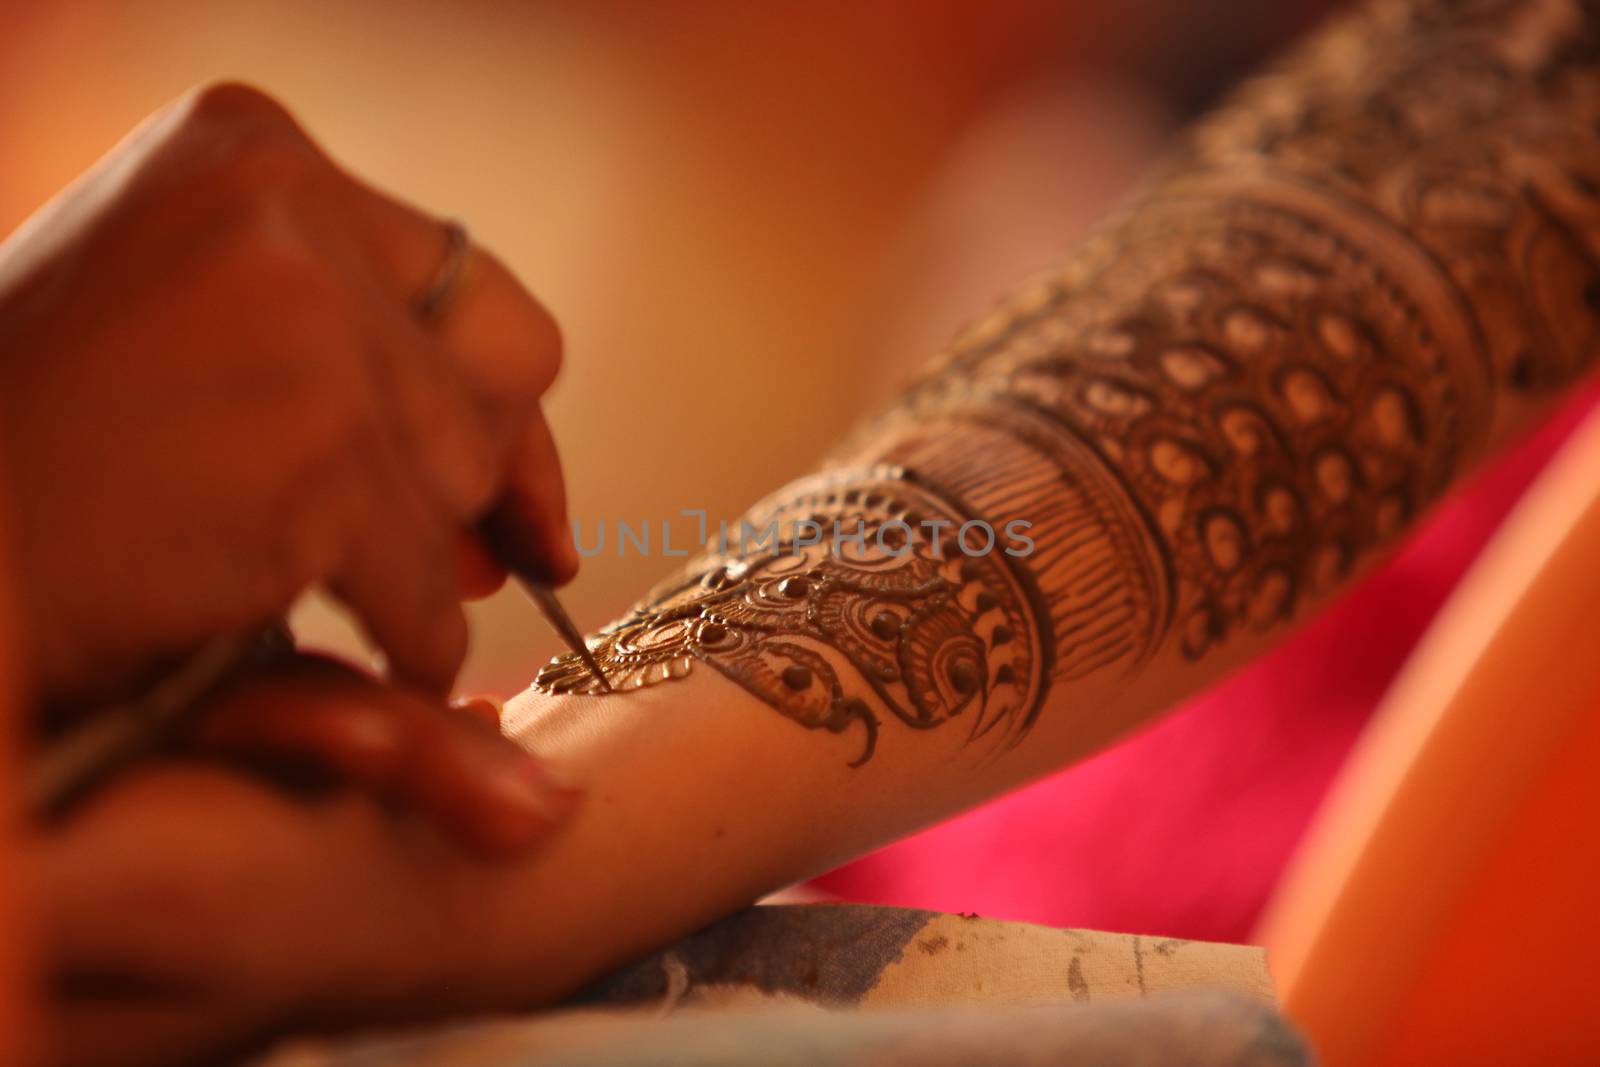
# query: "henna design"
1470,127
1348,283
829,630
1265,391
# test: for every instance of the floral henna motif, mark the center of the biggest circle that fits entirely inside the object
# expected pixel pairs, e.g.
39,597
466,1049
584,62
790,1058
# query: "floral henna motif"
891,613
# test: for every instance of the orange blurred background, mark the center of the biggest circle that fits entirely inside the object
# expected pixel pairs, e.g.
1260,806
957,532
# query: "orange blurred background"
751,220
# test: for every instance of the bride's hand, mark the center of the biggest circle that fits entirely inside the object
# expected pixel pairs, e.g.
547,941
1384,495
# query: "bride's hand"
193,907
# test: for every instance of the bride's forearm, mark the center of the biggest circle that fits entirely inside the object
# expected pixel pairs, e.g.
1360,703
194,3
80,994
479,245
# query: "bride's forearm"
1363,273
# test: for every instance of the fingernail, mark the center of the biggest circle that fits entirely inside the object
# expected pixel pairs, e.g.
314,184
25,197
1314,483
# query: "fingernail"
564,559
526,784
484,706
370,734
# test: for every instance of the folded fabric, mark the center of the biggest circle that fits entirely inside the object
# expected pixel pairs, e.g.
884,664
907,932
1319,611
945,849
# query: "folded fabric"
827,985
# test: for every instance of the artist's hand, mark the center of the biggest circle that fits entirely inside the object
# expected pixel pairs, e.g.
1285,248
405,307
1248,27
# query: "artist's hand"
189,907
188,911
309,723
215,392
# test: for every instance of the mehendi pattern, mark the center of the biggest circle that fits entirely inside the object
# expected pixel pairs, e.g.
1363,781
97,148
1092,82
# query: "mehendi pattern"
1349,282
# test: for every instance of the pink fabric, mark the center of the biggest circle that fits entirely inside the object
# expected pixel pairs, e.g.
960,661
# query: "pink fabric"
1182,829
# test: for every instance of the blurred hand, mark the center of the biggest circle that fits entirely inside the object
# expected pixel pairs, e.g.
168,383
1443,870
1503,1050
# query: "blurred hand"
215,393
310,723
190,909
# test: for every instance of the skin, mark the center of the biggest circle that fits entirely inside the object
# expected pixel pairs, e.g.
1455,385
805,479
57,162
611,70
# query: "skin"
332,910
213,363
1369,268
1365,271
280,415
258,406
1202,424
149,962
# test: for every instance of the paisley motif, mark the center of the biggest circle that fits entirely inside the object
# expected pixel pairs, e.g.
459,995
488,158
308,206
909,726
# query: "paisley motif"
891,614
